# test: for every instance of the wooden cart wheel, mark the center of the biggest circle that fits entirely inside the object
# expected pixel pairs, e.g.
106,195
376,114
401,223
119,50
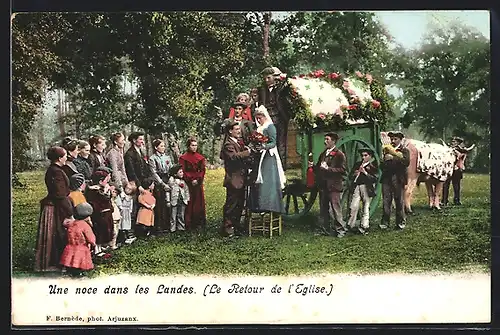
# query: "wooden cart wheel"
298,199
350,145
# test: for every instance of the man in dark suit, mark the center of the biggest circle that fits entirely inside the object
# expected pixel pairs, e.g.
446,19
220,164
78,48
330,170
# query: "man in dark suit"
329,173
269,95
235,155
136,166
394,179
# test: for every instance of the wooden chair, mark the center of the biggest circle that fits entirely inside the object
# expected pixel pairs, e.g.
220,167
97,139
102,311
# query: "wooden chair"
267,223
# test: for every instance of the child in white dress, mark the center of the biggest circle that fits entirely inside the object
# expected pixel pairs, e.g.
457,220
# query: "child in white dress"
127,204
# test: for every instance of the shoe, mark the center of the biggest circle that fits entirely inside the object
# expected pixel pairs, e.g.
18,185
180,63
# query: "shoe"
362,231
341,234
401,225
382,226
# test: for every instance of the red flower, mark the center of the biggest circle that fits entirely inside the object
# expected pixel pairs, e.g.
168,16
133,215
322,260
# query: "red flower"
359,74
256,137
181,185
333,153
294,77
321,116
333,75
369,78
375,104
106,256
351,107
319,73
302,76
145,158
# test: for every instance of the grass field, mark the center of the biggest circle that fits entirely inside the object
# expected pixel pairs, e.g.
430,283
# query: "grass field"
457,238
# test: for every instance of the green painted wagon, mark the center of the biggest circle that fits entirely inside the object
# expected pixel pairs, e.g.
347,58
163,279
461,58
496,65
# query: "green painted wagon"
346,109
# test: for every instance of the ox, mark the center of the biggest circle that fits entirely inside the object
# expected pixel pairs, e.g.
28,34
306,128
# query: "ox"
431,163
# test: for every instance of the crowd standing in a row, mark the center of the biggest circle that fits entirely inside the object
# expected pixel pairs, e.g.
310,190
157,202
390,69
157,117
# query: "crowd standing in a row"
99,200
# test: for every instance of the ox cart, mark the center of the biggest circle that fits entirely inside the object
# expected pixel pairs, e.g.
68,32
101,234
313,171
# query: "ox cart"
299,197
351,107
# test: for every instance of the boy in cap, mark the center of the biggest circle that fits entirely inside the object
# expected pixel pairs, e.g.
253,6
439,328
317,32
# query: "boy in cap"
77,187
76,256
394,178
365,177
269,95
329,174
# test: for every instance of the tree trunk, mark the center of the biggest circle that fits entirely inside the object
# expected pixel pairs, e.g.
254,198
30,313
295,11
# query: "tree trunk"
60,113
265,35
174,146
41,135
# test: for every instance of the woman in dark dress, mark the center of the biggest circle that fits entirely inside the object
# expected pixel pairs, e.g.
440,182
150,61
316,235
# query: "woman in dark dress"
160,163
97,157
71,147
99,196
55,208
194,165
82,161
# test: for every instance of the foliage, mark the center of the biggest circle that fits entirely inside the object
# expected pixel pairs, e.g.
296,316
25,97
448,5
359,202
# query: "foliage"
446,86
453,239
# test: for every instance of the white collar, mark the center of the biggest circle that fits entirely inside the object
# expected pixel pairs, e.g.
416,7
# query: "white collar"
399,146
330,150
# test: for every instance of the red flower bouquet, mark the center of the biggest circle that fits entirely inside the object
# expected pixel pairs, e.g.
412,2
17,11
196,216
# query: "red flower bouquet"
257,138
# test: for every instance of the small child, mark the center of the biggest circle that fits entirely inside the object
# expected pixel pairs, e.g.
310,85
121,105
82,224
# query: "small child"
177,198
127,206
116,202
77,187
147,202
99,196
76,256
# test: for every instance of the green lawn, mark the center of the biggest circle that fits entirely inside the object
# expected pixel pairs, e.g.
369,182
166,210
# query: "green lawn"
457,238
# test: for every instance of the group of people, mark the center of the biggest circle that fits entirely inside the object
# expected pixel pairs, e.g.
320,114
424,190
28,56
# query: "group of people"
102,199
99,200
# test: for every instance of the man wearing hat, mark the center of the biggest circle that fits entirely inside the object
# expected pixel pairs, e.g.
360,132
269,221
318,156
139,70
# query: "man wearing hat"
458,172
246,126
329,175
365,177
269,95
394,178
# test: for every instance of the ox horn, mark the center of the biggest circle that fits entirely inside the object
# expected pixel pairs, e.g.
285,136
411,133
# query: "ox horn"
471,147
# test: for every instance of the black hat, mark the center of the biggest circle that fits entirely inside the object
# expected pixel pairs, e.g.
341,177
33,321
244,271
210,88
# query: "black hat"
458,139
100,173
83,211
396,134
174,169
368,150
267,71
75,181
333,136
238,103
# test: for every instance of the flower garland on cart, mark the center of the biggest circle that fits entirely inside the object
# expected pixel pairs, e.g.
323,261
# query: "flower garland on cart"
334,100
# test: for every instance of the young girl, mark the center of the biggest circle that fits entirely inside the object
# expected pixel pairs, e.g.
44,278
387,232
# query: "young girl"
76,255
116,202
99,196
77,187
147,202
127,205
177,198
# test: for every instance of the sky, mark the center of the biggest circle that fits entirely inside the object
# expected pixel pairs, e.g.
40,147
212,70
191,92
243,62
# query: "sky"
408,27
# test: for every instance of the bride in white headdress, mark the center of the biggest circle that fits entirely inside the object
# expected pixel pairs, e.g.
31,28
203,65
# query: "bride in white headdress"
266,193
